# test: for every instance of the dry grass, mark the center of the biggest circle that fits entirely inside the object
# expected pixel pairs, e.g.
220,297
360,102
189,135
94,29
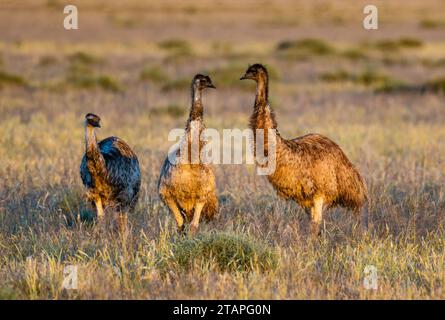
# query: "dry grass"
258,246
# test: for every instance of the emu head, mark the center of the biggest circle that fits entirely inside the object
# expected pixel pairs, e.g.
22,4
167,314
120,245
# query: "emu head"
92,120
255,72
201,82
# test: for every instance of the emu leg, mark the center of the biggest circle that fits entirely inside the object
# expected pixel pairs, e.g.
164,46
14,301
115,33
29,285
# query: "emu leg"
196,216
364,221
99,209
316,216
122,222
176,213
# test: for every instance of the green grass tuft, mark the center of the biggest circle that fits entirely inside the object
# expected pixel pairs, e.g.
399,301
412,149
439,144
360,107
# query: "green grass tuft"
173,44
8,293
154,74
226,251
394,45
82,76
83,58
368,78
354,54
305,48
172,110
371,77
336,76
54,4
177,84
387,45
410,42
89,81
394,86
431,24
107,82
47,60
433,62
124,21
436,85
177,47
11,79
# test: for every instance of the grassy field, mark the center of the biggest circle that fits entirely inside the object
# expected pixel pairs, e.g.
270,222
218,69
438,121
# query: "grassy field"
379,94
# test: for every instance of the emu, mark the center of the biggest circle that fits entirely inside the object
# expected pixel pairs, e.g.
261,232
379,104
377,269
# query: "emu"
187,186
110,172
312,170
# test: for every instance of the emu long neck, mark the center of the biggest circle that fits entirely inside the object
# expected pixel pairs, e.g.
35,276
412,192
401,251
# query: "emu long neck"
197,110
95,160
262,91
90,140
194,128
263,116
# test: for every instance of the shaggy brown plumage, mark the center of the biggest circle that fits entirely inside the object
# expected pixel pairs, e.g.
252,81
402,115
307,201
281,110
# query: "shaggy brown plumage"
311,170
187,186
110,172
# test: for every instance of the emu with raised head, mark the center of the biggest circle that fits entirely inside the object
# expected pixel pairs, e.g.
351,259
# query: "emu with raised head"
311,170
186,183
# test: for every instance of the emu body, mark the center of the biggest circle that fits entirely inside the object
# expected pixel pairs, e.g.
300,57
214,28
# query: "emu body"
187,186
110,172
311,170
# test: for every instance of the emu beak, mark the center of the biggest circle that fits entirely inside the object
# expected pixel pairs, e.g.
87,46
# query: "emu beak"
243,77
212,86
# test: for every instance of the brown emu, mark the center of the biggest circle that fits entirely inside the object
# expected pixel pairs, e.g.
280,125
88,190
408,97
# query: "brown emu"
110,172
311,170
187,184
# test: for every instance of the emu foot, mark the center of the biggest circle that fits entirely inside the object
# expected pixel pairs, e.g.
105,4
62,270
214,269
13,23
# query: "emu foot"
120,225
181,229
193,229
101,224
315,230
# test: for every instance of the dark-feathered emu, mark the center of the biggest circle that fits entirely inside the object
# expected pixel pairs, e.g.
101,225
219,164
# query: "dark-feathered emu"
110,172
312,169
187,185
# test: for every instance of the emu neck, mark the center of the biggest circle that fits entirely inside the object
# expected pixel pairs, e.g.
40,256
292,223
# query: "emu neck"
95,160
197,110
262,91
263,116
194,127
91,140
